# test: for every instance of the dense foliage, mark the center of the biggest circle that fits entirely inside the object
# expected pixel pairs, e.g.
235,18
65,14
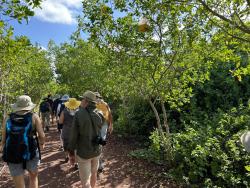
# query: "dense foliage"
182,81
79,66
189,65
134,117
25,69
209,153
18,10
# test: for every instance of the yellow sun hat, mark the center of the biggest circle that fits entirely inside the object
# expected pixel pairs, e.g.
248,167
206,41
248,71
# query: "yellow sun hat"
72,103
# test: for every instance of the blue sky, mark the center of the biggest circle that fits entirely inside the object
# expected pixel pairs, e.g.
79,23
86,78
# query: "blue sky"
41,32
56,21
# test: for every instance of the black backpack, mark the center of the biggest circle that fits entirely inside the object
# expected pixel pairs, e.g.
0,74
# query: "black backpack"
62,107
21,141
44,107
55,104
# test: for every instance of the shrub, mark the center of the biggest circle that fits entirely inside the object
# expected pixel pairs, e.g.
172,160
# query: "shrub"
135,117
211,155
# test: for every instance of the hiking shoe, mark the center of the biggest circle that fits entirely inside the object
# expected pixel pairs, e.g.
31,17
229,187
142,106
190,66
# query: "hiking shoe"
101,166
61,148
76,167
100,169
66,159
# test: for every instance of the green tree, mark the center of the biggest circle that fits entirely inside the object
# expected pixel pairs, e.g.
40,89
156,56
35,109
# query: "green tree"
17,9
228,14
79,66
161,64
25,69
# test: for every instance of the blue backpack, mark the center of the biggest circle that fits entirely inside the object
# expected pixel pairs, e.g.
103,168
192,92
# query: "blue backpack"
21,141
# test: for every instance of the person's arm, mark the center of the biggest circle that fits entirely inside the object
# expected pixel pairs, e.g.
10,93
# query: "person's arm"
73,139
50,107
39,112
39,130
61,118
3,135
58,111
110,122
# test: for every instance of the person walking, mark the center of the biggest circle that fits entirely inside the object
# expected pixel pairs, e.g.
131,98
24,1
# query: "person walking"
56,102
44,112
105,109
50,101
66,120
107,126
84,144
60,108
20,143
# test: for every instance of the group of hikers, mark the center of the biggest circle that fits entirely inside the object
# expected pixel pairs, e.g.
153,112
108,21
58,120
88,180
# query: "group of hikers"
83,126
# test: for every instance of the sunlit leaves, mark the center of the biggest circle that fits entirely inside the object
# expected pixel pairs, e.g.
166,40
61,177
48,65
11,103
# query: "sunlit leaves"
24,68
79,67
17,9
161,63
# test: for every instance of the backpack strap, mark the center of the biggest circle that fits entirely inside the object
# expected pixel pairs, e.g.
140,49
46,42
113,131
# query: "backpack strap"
33,134
38,147
30,114
36,137
92,123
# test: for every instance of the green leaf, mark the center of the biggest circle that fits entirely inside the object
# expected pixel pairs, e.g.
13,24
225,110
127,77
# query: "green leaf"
247,168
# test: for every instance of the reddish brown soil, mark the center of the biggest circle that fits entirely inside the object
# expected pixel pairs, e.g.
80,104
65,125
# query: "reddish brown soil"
120,169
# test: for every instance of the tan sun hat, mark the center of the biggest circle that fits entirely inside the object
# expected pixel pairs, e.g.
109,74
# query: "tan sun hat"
72,103
245,140
89,96
98,95
23,103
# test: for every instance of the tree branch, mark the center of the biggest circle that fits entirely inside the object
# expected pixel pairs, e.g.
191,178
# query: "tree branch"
248,2
233,36
243,29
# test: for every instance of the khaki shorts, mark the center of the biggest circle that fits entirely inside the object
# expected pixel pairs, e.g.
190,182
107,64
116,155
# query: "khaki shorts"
31,166
87,167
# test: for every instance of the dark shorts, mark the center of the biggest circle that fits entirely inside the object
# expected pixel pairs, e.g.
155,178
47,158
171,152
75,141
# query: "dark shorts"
31,165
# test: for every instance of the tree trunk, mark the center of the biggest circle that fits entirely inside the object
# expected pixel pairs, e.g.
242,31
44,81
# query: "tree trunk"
165,118
158,120
5,107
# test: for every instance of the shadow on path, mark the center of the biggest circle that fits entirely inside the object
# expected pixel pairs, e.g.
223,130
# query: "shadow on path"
120,169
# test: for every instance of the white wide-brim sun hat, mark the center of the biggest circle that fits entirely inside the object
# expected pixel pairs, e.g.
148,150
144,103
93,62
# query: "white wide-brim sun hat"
245,140
23,103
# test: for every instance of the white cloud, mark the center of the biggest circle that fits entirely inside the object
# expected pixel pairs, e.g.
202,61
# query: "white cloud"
59,11
71,3
43,48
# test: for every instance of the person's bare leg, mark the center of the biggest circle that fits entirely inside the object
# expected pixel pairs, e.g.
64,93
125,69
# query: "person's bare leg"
66,154
43,121
19,181
85,181
84,172
33,179
52,118
94,168
93,179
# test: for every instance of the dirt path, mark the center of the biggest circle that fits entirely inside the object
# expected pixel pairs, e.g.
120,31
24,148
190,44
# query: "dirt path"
120,169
